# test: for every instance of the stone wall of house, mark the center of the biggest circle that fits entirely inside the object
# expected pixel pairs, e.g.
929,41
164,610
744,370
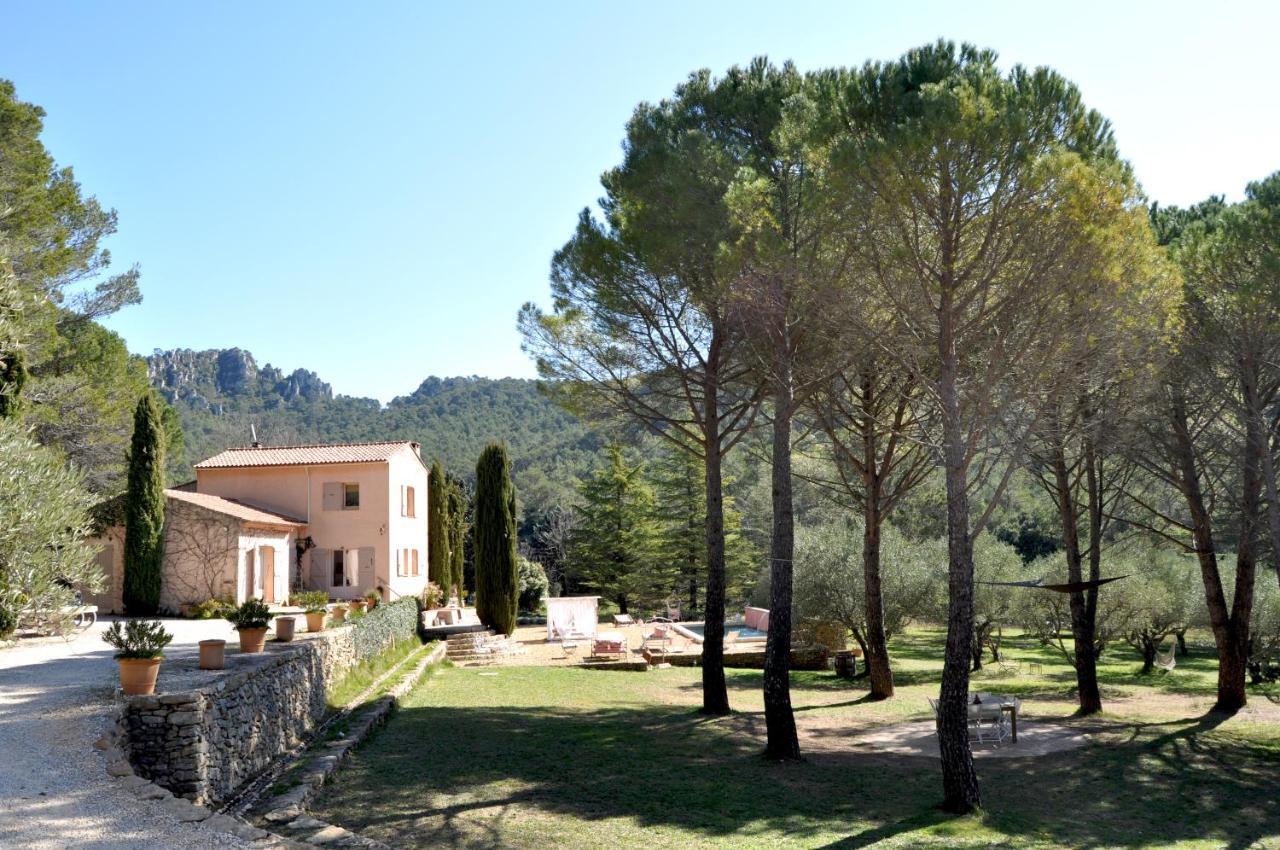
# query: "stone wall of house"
204,742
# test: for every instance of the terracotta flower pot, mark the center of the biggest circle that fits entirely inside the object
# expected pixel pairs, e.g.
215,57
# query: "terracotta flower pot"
315,621
252,640
213,654
357,604
284,628
339,613
138,675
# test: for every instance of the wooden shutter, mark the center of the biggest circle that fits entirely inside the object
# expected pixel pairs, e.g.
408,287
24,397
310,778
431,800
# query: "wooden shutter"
404,504
332,496
365,577
321,569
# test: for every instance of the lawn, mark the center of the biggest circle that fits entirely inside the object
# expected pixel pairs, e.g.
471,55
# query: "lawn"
560,757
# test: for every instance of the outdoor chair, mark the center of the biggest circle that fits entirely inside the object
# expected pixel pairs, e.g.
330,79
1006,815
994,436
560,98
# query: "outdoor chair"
609,643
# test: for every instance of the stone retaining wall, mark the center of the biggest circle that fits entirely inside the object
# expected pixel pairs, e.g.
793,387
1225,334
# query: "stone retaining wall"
206,742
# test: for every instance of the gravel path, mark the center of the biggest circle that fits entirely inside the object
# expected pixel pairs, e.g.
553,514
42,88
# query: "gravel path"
54,790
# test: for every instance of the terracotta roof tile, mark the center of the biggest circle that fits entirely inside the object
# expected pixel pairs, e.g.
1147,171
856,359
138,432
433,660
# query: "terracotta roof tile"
306,455
232,508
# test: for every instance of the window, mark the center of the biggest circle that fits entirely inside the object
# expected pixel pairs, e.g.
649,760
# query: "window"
415,562
342,569
399,562
350,497
409,507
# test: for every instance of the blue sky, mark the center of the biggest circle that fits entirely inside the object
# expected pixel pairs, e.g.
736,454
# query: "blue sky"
371,190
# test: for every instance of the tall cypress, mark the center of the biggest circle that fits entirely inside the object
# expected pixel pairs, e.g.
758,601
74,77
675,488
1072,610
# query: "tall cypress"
497,577
144,511
438,567
457,531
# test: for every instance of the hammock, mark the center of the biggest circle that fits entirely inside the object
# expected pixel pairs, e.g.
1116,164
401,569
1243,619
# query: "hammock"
1072,587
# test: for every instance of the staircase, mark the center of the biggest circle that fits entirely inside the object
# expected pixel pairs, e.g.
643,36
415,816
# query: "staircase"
477,648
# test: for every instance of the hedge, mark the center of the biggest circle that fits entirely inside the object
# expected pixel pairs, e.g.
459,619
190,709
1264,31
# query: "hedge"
384,625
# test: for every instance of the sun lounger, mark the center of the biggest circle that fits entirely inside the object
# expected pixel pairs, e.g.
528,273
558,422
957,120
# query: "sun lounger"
609,643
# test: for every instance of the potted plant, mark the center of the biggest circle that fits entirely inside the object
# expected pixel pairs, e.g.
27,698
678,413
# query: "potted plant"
357,605
372,599
315,605
339,612
250,620
139,646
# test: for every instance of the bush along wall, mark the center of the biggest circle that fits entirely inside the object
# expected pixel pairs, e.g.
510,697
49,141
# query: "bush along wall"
383,626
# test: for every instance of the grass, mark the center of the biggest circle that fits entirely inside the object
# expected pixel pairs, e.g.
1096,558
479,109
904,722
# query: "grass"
364,674
539,757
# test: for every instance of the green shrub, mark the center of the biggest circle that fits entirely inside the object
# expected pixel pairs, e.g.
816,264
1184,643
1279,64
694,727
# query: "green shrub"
533,584
311,601
8,622
252,614
382,627
138,638
212,609
432,596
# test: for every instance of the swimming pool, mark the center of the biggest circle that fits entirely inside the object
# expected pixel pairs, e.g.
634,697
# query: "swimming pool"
697,632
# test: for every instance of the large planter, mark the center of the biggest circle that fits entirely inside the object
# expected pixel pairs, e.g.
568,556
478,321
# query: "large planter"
284,628
138,675
339,613
252,640
315,621
213,654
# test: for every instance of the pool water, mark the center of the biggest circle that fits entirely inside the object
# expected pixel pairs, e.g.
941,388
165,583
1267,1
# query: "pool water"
699,630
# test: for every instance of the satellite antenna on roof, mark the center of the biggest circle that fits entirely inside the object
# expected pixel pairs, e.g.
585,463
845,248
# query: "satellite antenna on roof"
254,432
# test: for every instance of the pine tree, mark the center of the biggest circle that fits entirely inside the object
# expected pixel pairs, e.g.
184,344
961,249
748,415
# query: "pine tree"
144,511
457,532
497,577
439,569
615,547
13,377
680,507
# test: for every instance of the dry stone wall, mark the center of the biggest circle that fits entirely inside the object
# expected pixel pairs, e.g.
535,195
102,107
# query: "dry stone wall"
204,743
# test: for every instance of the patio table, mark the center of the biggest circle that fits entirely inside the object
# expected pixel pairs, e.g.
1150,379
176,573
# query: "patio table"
1007,704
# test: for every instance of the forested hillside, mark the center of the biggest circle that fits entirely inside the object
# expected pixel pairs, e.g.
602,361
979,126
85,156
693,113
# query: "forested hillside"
219,394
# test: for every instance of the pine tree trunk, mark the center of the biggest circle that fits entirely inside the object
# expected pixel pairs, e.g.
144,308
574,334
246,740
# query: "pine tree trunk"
876,648
715,693
783,742
877,645
1082,625
959,779
1231,650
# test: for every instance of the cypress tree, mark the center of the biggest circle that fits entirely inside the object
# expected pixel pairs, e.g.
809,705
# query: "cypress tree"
497,577
144,511
438,567
457,530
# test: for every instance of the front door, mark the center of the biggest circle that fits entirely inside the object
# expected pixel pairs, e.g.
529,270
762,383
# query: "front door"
268,557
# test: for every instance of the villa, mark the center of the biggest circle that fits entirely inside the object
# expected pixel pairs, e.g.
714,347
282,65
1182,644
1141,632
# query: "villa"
348,519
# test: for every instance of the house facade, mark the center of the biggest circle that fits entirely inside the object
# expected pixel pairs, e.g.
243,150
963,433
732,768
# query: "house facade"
347,519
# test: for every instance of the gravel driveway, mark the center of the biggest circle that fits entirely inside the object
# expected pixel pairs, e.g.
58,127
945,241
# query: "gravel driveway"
54,790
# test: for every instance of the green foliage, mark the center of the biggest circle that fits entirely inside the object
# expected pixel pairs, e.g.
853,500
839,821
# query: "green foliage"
311,601
250,614
497,582
679,510
385,625
455,491
614,549
138,638
439,566
8,621
144,511
44,523
829,577
432,596
13,378
213,609
533,585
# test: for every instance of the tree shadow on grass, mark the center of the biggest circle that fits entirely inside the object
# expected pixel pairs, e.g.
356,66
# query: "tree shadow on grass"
488,775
